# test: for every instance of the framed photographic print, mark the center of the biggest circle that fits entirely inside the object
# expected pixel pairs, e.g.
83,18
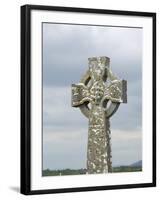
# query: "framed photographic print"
88,99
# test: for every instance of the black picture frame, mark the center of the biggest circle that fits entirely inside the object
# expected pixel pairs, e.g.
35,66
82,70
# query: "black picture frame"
26,98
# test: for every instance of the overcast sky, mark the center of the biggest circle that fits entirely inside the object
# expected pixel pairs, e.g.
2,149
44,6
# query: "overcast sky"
66,49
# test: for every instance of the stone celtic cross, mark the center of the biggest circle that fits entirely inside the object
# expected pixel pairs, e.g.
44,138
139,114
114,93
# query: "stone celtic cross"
98,95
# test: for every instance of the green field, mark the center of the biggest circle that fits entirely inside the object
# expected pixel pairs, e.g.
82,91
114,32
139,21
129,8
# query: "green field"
48,172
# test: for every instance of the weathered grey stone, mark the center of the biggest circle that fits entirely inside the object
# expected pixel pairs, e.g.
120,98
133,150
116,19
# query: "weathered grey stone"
94,89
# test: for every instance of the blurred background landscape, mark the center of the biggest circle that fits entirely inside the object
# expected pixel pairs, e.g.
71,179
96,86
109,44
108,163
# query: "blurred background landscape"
135,167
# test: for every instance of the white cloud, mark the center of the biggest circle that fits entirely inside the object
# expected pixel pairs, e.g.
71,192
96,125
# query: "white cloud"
62,144
63,135
123,135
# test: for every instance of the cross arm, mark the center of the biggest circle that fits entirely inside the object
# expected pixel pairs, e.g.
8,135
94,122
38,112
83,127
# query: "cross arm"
80,94
116,91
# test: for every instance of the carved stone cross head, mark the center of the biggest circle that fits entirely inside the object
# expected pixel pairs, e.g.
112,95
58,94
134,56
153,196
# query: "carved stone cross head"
98,95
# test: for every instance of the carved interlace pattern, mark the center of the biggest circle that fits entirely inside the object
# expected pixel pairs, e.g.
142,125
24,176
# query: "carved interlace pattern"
99,152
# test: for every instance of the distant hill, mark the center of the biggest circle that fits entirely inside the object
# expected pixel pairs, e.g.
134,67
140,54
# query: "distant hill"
137,164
